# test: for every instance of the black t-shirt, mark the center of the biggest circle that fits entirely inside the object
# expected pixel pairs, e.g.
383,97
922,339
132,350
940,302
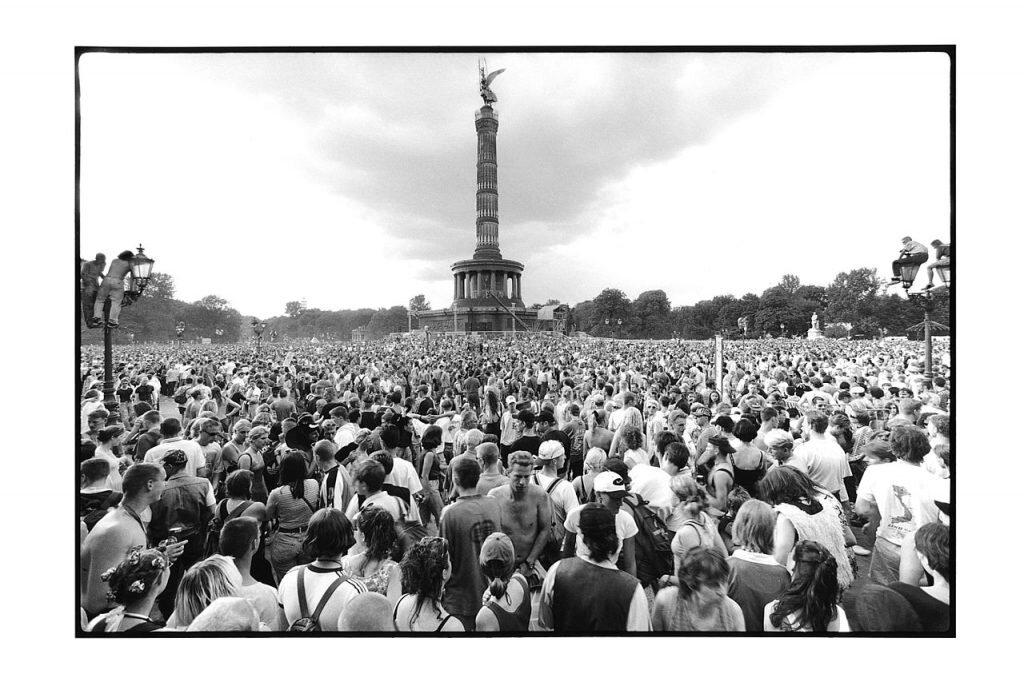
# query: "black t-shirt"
369,419
530,444
424,406
933,614
562,437
144,392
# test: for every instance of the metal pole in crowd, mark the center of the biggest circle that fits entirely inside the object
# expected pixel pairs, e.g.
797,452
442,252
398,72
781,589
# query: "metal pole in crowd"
718,365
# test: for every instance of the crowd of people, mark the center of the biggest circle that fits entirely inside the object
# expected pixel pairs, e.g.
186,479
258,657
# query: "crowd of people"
500,484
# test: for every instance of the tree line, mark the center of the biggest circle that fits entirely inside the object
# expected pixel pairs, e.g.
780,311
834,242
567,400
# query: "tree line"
857,303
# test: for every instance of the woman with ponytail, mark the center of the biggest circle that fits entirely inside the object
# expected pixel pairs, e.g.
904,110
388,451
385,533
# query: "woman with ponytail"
375,530
693,526
507,605
810,603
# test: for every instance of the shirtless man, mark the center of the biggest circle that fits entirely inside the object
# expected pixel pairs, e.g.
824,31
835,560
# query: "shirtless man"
119,531
112,288
525,511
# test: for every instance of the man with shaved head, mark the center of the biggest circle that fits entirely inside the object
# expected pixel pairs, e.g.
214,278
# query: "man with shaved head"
367,612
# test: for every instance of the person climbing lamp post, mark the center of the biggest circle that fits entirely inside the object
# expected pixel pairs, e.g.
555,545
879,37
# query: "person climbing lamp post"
141,269
257,332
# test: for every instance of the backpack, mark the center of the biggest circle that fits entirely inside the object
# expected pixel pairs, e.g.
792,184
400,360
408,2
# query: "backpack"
220,517
653,543
553,550
180,396
310,622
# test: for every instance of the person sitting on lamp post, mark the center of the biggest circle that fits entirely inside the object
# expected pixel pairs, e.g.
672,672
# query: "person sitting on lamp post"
942,256
912,253
112,287
92,274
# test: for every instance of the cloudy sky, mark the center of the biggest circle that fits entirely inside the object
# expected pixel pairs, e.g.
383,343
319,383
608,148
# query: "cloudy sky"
348,180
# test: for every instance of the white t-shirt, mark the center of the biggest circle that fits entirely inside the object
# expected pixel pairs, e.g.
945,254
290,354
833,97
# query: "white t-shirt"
625,527
403,474
634,457
901,491
827,464
316,581
654,485
194,451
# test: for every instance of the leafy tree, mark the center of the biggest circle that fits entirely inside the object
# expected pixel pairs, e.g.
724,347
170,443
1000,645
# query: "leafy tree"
161,285
651,310
836,331
388,321
212,302
853,295
418,303
611,305
293,308
790,283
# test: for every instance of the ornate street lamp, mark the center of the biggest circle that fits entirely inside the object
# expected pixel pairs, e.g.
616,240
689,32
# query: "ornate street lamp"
135,285
257,331
926,301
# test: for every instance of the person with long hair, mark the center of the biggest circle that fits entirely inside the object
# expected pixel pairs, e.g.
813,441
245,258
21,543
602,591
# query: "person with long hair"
226,408
806,512
134,584
433,466
201,585
251,459
755,577
693,526
700,602
289,508
108,447
375,530
811,603
507,606
490,416
426,568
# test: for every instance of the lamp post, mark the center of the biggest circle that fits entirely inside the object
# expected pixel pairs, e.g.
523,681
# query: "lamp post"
142,268
925,299
257,331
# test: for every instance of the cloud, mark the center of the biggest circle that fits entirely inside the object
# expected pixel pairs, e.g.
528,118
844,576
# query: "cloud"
394,132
